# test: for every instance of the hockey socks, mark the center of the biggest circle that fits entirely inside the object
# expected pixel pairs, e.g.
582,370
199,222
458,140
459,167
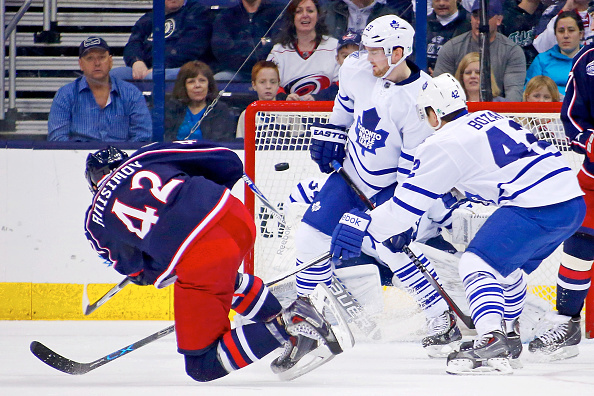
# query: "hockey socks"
252,300
238,348
573,279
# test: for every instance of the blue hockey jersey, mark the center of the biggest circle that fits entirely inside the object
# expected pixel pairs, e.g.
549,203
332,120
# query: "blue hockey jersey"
150,209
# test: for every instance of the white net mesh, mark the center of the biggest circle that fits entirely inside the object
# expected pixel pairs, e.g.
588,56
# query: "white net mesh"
282,136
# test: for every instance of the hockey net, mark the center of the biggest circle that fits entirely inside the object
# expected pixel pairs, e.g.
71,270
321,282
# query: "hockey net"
277,132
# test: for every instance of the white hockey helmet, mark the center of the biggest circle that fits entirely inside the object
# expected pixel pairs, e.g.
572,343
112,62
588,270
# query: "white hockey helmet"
388,32
443,94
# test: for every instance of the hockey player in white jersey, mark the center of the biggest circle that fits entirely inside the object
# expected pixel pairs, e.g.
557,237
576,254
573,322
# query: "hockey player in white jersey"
376,101
489,158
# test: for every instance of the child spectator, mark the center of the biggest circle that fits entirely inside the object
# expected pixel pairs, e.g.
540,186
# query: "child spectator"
304,53
468,74
97,107
265,81
544,89
185,113
556,62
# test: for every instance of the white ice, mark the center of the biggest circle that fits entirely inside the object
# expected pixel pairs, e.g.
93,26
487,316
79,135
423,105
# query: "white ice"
370,368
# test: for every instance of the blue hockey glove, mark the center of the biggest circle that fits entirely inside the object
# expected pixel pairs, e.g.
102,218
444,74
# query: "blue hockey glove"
347,237
398,242
327,144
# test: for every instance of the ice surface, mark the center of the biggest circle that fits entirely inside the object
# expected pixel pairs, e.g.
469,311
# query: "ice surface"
382,368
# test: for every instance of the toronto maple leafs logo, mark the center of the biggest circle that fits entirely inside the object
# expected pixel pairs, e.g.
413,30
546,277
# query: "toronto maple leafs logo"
368,137
394,24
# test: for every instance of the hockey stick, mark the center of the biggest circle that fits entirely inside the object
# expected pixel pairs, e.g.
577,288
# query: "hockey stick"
299,268
264,200
467,320
90,308
68,366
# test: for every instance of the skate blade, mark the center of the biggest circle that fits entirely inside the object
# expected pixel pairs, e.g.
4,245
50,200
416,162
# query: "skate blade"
442,351
494,366
307,363
563,353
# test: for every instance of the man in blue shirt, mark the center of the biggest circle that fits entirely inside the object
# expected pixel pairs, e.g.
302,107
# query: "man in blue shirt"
95,107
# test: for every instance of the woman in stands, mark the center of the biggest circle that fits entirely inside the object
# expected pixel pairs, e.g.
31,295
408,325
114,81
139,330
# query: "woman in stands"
556,62
304,53
186,114
468,74
265,81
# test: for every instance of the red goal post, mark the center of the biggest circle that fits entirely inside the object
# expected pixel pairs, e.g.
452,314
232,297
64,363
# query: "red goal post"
277,131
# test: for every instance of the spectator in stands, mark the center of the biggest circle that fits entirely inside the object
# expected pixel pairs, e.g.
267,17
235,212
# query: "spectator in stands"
545,30
468,73
354,15
185,112
541,89
97,107
237,31
556,62
447,20
519,22
188,29
347,44
304,53
508,62
266,82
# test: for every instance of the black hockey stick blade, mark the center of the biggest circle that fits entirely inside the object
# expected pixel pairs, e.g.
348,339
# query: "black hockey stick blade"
68,366
90,308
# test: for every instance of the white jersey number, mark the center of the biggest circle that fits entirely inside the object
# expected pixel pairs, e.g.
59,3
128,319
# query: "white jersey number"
148,217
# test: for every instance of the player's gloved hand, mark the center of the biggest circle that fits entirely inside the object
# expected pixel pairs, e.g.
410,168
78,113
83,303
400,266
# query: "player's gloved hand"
347,237
327,144
397,242
590,145
144,277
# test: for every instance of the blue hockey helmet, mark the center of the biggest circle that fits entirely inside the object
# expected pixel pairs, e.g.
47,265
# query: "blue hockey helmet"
101,163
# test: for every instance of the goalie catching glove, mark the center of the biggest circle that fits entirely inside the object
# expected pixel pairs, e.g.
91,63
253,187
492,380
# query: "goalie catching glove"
348,235
327,144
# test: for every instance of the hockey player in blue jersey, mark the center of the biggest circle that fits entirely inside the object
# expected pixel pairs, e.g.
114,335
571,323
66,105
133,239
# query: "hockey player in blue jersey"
166,215
376,102
488,158
573,281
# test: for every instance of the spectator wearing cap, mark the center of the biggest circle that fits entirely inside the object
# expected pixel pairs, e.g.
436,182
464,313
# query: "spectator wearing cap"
508,62
354,15
188,29
447,20
97,107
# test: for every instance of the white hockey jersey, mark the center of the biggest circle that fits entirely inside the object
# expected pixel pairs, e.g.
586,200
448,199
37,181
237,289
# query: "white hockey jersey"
384,127
306,76
488,158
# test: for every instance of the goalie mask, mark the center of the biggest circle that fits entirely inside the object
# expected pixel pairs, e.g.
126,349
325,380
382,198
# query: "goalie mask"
102,163
444,95
388,32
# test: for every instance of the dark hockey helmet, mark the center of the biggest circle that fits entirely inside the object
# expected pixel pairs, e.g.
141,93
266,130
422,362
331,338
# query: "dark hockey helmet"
101,163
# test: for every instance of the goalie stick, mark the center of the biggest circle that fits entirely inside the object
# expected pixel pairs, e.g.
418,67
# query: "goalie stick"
467,320
68,366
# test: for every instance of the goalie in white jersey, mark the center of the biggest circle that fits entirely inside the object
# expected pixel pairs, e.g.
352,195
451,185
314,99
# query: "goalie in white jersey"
489,158
376,99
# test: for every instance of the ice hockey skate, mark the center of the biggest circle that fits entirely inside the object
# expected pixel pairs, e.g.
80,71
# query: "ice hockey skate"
313,340
559,342
515,345
444,335
487,355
